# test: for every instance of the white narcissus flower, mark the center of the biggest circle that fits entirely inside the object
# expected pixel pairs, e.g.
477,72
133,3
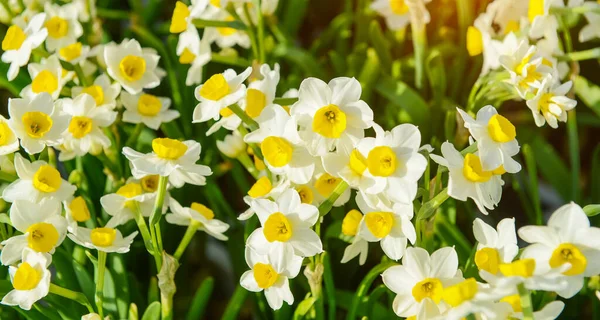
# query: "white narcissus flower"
183,15
496,139
8,139
393,163
171,158
543,23
47,77
133,67
199,215
550,103
18,43
147,109
495,246
62,24
232,145
263,189
30,280
527,69
219,92
102,239
124,204
395,12
386,225
75,53
330,112
592,29
469,180
37,181
42,225
226,37
271,273
349,164
550,311
285,222
324,185
93,316
195,52
76,210
567,240
359,246
84,133
421,278
283,149
103,91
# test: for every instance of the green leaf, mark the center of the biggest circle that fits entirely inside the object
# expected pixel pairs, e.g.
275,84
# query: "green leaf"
552,168
293,15
592,210
64,270
434,66
201,299
533,183
413,108
4,218
86,282
589,93
329,286
304,307
119,272
363,288
369,74
201,23
381,45
133,312
235,304
301,58
595,172
152,312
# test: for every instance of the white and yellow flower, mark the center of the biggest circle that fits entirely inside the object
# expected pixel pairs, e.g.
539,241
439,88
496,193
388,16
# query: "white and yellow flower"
568,240
349,164
285,222
323,186
219,92
75,53
8,139
102,239
495,246
37,180
550,103
271,273
465,298
133,67
543,23
182,17
84,133
592,29
283,150
391,228
197,214
469,180
124,204
48,77
232,145
18,43
328,113
42,225
496,139
226,37
171,158
421,278
30,280
359,246
395,12
62,24
147,109
263,189
76,210
550,311
194,52
103,91
527,69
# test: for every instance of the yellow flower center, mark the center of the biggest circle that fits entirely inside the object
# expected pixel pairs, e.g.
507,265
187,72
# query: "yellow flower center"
545,102
103,237
457,294
260,188
351,222
5,133
44,81
306,194
277,228
80,126
398,7
326,183
358,163
70,52
536,8
226,112
514,301
47,179
428,288
130,190
26,277
42,237
499,171
36,123
277,151
511,26
13,39
79,209
132,67
264,275
226,31
521,66
148,105
568,253
57,27
259,164
474,41
215,88
473,171
329,121
186,57
255,102
382,161
96,92
487,259
203,210
169,149
520,268
380,223
149,183
501,129
216,3
179,19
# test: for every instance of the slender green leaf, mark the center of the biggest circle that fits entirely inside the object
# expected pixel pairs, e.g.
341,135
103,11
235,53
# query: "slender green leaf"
86,282
553,168
235,304
201,299
592,210
595,172
533,183
133,312
412,106
381,45
119,271
589,93
152,312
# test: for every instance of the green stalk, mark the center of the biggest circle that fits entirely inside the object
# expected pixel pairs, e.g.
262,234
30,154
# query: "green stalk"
285,101
100,282
429,208
326,205
364,286
80,75
245,160
251,33
134,135
187,237
156,216
580,55
419,43
141,223
235,304
526,304
69,294
574,154
201,23
112,14
253,125
261,31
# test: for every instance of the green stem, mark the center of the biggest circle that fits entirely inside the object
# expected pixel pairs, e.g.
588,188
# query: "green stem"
134,135
251,33
80,75
285,101
429,208
419,44
260,30
166,307
141,223
245,160
69,294
253,125
364,286
573,137
526,304
201,23
567,10
326,205
580,55
235,304
234,61
112,14
100,282
156,216
187,237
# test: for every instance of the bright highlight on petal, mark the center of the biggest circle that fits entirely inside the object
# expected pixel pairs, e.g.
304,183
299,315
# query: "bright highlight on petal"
520,268
148,105
382,161
428,288
473,171
568,253
169,149
132,67
42,237
215,88
380,223
44,81
501,129
487,259
26,277
13,39
149,183
264,275
351,222
79,209
47,179
329,121
260,188
103,237
203,210
80,126
255,102
277,151
277,228
457,294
